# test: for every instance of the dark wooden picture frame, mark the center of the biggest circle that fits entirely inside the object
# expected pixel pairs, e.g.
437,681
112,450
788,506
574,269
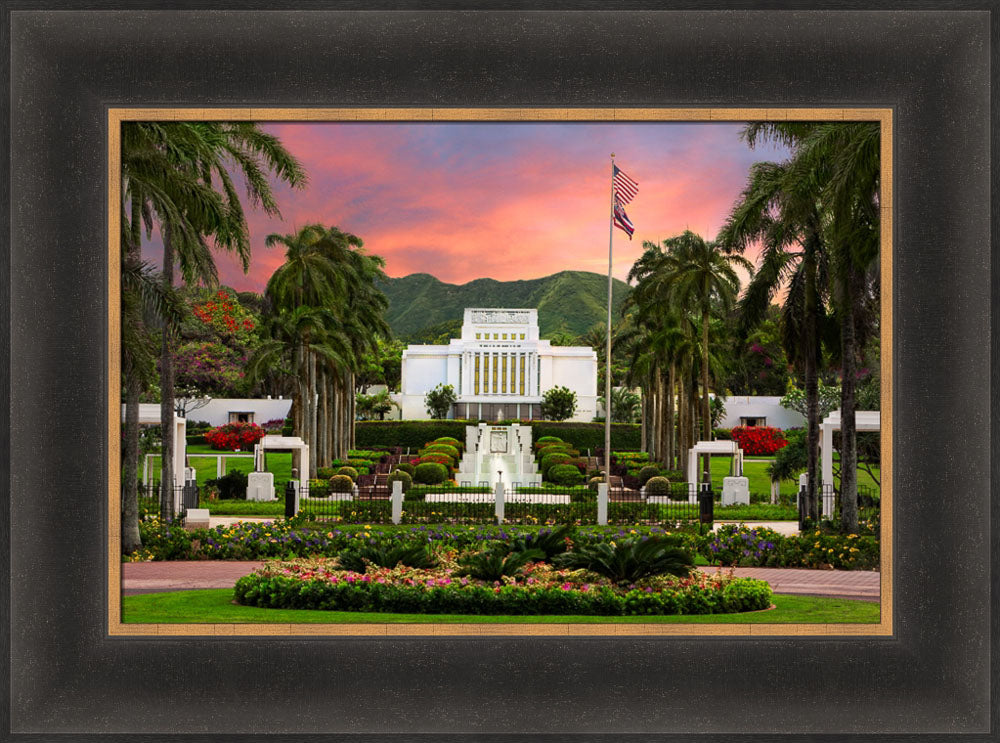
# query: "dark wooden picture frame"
69,66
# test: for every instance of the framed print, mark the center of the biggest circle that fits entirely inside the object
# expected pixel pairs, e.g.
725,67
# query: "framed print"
80,77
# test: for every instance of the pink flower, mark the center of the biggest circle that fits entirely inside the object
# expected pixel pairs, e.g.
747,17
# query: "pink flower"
566,586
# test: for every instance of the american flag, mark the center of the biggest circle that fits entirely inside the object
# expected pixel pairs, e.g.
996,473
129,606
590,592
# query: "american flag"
625,187
622,221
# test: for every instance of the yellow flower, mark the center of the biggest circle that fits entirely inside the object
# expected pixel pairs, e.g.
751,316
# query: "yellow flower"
816,546
830,550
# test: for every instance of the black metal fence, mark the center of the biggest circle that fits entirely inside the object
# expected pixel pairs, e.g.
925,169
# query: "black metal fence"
152,500
519,504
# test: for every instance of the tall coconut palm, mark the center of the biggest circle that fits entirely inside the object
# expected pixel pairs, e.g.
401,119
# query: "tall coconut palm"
780,210
326,267
703,279
848,155
190,192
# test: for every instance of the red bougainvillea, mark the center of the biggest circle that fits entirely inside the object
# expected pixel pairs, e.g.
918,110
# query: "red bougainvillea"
759,440
233,436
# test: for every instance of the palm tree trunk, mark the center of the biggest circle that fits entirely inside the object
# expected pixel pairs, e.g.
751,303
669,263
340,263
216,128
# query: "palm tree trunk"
131,541
848,403
643,434
671,423
808,509
353,413
167,473
682,424
706,406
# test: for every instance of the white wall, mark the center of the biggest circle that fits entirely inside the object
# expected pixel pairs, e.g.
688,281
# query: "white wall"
423,370
218,409
760,406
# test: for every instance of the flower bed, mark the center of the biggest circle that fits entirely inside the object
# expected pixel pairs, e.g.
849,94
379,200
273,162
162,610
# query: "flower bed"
281,539
540,589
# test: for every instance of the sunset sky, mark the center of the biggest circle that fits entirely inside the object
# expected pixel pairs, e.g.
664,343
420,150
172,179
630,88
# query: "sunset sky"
501,200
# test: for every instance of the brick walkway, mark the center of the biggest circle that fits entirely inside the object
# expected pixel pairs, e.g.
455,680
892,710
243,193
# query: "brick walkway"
149,577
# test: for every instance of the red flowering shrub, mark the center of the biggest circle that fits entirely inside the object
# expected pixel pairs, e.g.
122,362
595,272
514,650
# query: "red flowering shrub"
759,440
233,436
224,314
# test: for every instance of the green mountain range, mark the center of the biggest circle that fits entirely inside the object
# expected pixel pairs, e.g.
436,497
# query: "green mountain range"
422,308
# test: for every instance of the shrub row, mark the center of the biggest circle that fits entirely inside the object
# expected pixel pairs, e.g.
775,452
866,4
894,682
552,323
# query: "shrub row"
415,434
741,594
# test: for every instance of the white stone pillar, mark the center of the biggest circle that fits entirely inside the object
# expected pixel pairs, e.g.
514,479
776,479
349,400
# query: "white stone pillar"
602,503
397,501
498,496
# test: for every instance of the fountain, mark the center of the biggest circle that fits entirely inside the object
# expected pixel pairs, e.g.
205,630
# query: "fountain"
498,454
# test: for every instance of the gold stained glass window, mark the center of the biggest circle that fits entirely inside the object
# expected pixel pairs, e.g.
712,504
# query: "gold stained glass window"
477,374
478,336
505,336
522,336
503,367
493,366
522,373
496,336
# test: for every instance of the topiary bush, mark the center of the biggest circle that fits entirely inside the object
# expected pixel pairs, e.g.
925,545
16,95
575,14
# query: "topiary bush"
437,458
341,484
647,472
550,460
448,449
401,476
450,440
430,473
565,474
406,467
349,471
657,486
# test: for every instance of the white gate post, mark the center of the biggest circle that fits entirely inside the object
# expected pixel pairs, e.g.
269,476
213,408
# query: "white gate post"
218,466
397,501
498,493
602,503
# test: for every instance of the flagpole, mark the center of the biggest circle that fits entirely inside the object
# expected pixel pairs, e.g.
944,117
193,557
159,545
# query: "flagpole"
607,349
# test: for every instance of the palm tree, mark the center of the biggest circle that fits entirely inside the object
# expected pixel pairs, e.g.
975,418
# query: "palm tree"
144,305
178,174
327,268
849,156
703,278
780,210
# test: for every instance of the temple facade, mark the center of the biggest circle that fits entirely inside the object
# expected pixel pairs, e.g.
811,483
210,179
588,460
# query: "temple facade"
499,369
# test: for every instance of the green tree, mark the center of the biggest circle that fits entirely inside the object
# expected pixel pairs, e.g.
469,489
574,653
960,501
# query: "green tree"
781,211
704,278
846,160
625,405
439,401
179,175
328,278
558,403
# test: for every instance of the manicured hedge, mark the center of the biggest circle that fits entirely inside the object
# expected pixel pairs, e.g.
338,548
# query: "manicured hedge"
354,593
416,434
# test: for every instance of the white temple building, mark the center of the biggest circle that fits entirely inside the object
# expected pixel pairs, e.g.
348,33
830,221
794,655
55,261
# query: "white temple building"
499,369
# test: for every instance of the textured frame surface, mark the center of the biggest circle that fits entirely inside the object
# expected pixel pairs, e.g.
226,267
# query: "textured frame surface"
67,675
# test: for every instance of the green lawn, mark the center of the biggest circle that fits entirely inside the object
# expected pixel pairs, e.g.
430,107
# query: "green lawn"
279,462
216,606
760,482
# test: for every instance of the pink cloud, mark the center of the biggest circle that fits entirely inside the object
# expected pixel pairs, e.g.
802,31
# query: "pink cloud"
511,202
